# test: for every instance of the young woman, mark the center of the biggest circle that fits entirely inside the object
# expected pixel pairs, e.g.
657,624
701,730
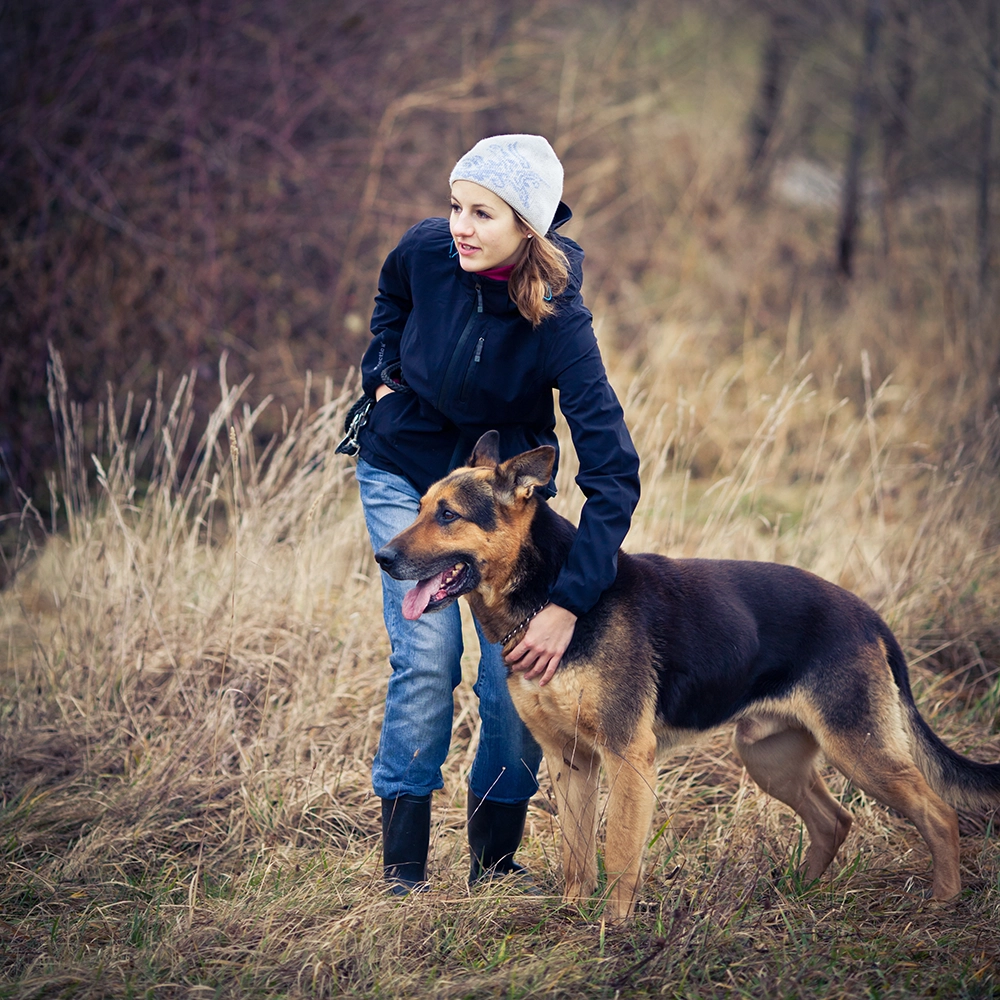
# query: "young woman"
477,319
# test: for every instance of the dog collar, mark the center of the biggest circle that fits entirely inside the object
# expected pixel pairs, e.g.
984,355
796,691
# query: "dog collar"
522,624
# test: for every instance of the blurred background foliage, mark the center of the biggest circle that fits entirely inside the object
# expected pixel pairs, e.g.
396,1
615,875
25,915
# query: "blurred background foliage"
184,180
788,212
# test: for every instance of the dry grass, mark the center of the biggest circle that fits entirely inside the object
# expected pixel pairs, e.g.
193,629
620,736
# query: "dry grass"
193,665
193,686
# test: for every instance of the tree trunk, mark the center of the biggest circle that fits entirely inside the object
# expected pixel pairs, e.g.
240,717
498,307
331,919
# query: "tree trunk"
850,216
986,145
895,127
776,65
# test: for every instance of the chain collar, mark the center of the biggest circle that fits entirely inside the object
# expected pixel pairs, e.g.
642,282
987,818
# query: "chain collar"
522,624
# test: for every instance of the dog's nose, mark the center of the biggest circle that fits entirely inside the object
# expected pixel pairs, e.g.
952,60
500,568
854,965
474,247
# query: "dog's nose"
386,556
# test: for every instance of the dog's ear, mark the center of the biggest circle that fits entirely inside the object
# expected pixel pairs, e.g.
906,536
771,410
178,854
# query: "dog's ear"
524,473
487,451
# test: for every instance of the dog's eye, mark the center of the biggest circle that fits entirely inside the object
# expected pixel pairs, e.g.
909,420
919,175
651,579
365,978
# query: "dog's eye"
447,515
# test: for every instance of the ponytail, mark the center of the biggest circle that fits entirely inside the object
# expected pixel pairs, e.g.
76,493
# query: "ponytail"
538,277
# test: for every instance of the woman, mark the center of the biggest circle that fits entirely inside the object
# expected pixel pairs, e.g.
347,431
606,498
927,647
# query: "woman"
477,319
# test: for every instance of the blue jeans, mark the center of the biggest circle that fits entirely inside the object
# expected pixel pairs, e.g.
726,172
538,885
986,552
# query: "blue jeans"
426,668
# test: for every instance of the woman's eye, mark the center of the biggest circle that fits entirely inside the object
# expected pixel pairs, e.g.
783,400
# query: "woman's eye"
482,214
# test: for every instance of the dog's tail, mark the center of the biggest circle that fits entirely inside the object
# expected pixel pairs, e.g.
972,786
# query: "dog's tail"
957,779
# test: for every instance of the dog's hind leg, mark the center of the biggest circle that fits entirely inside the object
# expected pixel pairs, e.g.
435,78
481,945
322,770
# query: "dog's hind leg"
573,769
781,760
631,801
883,768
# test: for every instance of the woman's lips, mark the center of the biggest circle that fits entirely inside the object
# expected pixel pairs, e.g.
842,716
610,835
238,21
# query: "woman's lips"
466,249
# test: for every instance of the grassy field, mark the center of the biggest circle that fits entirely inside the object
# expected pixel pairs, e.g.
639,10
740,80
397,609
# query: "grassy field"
193,663
192,691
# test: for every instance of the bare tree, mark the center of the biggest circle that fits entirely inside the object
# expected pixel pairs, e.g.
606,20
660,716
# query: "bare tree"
777,60
986,144
895,121
849,216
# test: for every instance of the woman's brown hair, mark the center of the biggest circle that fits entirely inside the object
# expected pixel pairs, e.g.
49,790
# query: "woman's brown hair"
538,277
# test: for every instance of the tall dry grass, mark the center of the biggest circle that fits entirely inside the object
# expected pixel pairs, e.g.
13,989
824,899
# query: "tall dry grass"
193,670
193,678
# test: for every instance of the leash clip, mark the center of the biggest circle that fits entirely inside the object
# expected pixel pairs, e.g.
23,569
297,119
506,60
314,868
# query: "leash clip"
357,417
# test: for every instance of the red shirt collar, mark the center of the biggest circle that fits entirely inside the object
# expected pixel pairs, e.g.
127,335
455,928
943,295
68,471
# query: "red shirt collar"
498,273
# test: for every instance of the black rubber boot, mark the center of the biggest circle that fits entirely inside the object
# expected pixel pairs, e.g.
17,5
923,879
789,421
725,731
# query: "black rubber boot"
495,831
406,834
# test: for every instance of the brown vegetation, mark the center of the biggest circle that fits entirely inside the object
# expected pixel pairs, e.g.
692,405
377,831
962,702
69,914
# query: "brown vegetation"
179,179
193,667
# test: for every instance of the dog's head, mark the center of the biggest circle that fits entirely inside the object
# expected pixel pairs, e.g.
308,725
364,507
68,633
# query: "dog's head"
470,527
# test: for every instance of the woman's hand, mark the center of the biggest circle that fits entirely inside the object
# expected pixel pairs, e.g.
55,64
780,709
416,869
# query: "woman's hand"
382,390
543,644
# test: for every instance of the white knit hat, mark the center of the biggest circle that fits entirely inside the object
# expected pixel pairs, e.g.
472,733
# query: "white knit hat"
522,169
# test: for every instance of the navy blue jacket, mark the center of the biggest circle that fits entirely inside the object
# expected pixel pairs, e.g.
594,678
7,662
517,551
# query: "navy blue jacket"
472,363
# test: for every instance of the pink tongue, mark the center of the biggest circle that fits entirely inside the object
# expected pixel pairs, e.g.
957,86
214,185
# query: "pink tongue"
417,599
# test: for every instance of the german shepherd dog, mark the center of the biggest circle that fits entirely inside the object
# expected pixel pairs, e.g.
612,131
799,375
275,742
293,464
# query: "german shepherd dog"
676,647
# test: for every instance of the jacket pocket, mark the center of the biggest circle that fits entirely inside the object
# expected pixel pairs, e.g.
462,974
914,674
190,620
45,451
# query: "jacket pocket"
383,417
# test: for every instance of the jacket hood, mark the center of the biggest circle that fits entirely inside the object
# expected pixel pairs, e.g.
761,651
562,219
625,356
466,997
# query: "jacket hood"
572,249
563,214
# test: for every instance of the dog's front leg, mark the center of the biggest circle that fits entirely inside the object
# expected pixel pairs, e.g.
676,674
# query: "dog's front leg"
574,769
631,801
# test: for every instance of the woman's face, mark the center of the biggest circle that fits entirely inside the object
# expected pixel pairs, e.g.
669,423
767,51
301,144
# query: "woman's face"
484,227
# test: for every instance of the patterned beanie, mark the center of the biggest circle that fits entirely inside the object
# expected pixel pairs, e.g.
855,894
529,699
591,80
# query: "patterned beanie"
522,169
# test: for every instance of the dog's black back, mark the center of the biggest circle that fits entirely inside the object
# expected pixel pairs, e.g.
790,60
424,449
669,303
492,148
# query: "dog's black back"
723,633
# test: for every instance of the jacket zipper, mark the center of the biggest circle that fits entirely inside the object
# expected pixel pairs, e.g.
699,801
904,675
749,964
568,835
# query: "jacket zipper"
476,358
455,364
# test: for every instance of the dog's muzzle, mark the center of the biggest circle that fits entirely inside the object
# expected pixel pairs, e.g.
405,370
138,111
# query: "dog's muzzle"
439,581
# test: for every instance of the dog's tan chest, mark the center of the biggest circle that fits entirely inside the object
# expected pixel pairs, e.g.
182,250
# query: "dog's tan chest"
566,706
